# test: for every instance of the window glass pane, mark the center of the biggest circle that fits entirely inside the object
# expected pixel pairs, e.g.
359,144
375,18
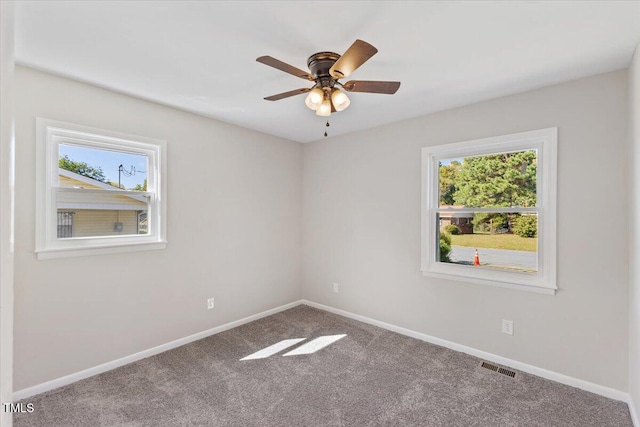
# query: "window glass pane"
504,241
101,222
489,181
93,214
143,222
88,167
65,224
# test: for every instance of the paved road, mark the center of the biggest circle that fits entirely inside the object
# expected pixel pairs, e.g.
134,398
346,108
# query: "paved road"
520,259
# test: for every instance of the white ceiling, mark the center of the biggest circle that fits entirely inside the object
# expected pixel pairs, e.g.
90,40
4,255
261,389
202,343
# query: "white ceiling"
200,56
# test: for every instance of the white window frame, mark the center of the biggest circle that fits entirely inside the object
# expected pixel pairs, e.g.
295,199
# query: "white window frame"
545,142
49,135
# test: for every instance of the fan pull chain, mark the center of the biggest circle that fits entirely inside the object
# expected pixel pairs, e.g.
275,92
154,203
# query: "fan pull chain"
327,125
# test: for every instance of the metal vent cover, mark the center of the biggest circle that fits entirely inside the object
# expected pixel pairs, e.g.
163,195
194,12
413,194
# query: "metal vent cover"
495,368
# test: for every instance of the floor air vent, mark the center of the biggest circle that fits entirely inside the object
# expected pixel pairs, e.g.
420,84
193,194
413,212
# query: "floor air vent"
490,366
507,372
499,370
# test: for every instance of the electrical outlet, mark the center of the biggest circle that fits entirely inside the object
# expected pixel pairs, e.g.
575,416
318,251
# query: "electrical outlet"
210,303
507,327
336,288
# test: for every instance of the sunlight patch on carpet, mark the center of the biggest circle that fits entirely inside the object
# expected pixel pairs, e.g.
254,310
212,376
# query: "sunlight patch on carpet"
315,345
273,349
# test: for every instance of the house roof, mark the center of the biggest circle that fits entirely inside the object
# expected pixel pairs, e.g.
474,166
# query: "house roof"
85,179
455,214
118,201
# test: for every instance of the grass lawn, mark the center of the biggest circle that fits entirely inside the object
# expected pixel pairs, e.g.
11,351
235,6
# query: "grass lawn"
496,241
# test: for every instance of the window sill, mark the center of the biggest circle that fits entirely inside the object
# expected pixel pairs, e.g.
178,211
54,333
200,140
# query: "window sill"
100,250
508,285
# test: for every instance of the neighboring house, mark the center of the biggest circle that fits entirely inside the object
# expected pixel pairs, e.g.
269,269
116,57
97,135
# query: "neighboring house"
96,214
461,219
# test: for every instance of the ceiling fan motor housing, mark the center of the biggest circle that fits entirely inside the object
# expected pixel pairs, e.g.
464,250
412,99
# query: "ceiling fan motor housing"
319,64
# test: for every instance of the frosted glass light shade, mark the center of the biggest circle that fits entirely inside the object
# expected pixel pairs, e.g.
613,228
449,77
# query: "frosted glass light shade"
339,99
314,99
325,108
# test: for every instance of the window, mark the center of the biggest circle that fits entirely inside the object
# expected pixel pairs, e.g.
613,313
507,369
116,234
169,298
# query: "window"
98,191
489,211
65,224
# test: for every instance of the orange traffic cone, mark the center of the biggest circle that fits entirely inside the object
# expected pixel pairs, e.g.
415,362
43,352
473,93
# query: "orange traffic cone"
476,259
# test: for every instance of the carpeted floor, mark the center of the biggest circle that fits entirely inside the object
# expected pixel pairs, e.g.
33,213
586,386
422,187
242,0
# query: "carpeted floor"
370,377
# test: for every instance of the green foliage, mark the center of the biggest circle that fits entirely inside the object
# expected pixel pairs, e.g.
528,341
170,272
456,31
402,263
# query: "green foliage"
499,180
139,187
452,229
447,182
490,222
81,168
526,226
445,247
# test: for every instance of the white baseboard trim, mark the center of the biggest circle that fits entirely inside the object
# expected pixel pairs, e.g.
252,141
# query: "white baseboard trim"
544,373
633,412
71,378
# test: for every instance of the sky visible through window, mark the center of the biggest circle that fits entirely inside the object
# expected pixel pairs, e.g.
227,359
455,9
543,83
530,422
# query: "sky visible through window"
447,162
109,161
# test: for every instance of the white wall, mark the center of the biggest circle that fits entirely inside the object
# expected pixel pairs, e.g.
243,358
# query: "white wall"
234,233
361,229
6,207
634,282
361,226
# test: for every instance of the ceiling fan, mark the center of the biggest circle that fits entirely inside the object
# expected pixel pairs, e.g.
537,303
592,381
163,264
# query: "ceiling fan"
326,69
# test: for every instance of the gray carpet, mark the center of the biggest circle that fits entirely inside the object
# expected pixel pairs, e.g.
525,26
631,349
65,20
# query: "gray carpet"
371,377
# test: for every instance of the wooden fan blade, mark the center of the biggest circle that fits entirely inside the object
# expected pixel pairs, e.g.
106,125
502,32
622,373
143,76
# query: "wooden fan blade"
283,66
357,54
371,86
287,94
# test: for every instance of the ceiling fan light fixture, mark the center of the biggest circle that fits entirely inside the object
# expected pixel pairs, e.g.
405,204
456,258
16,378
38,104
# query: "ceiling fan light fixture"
325,108
327,95
314,99
340,99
